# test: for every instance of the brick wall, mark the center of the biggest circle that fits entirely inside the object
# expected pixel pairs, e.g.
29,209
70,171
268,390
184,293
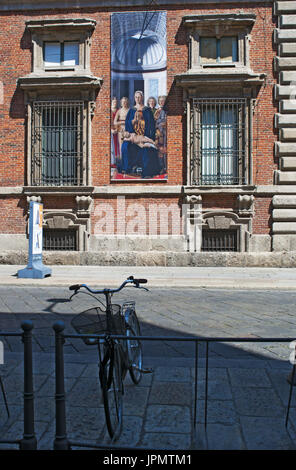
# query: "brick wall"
15,61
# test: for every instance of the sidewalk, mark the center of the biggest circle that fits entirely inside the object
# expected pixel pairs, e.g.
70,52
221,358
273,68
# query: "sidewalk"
247,390
104,276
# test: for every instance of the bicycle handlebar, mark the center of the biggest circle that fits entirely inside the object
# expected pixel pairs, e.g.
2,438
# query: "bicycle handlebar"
130,280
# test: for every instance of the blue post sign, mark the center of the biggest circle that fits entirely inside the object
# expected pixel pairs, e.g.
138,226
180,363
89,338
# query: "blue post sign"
35,268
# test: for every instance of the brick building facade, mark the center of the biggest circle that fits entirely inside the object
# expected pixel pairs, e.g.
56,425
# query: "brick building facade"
230,182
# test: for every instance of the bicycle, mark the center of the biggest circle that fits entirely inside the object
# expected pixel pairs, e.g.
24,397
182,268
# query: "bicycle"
116,356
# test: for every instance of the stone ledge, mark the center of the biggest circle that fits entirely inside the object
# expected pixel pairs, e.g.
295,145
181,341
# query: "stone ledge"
285,63
284,148
287,49
285,120
287,134
284,227
284,91
284,201
288,77
284,7
288,21
287,106
262,259
284,215
288,163
283,177
284,35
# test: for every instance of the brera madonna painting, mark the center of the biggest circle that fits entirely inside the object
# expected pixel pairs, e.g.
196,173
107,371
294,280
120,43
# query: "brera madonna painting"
138,96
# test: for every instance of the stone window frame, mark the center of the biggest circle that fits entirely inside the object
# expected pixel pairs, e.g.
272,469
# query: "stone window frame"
224,220
87,110
219,25
61,30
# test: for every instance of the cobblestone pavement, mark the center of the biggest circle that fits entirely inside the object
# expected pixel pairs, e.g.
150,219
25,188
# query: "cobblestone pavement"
247,388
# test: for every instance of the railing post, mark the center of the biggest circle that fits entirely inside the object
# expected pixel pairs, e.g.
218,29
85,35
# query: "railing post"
61,441
29,441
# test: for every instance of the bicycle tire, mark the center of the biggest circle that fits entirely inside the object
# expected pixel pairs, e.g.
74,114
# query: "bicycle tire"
111,383
134,347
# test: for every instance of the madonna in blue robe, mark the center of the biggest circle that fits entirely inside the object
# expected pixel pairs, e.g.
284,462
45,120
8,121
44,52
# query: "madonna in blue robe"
141,122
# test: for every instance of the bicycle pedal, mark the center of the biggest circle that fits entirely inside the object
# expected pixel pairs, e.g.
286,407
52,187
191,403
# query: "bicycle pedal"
147,370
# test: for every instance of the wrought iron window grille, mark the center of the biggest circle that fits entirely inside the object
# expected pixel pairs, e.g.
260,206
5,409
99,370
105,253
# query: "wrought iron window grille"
57,143
219,240
59,239
219,141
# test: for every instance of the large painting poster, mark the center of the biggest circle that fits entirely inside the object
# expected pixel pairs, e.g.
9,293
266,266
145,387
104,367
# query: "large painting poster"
138,96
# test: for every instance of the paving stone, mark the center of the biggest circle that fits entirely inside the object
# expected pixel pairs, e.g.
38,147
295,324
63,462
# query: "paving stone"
135,400
280,383
218,412
165,418
257,402
48,387
167,441
172,374
44,408
86,392
85,423
171,393
266,434
14,387
16,431
214,373
131,432
249,378
217,390
15,413
221,437
9,366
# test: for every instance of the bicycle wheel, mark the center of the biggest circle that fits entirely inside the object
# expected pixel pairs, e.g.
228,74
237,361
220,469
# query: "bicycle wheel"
111,382
134,347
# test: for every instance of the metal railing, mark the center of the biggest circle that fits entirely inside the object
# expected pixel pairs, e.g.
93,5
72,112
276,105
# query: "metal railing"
28,441
62,442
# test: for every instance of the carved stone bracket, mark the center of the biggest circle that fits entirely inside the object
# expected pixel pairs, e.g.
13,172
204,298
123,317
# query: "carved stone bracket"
194,199
83,205
245,205
34,199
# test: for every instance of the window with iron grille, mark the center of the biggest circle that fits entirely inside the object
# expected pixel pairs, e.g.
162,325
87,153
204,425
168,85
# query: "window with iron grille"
219,141
59,239
57,143
219,240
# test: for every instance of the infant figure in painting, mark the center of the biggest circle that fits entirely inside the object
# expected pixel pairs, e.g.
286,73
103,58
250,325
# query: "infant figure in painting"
140,140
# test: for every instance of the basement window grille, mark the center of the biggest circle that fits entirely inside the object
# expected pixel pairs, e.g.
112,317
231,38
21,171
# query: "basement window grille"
219,240
219,144
59,239
57,143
